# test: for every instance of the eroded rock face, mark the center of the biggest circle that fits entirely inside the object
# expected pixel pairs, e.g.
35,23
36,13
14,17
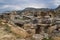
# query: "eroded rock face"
18,31
31,18
19,24
7,37
37,37
56,38
51,29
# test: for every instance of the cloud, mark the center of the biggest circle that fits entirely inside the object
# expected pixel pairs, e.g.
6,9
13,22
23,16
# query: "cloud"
34,5
10,6
21,4
16,7
57,2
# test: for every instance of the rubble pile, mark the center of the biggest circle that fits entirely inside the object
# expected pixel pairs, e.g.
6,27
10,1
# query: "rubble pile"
32,24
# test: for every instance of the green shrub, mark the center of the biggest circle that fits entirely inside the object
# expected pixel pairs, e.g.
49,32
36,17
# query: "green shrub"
47,39
7,28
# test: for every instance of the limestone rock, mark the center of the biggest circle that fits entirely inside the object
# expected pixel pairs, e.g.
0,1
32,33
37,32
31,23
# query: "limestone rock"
56,38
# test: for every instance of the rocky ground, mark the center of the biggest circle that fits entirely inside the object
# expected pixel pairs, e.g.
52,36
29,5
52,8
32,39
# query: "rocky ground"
7,34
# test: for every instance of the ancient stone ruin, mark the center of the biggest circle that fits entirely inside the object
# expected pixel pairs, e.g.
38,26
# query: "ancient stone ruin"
32,23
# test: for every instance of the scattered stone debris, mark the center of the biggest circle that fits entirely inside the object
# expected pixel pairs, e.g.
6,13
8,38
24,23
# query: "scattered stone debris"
30,25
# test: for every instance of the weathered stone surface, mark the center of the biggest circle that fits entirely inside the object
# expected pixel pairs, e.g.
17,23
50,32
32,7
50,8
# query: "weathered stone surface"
37,37
56,38
18,31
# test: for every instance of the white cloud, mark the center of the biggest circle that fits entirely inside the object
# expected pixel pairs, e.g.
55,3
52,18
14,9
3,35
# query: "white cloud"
56,2
36,5
21,4
18,7
15,7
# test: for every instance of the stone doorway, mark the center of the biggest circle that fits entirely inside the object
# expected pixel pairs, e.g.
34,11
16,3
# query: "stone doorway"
38,29
19,24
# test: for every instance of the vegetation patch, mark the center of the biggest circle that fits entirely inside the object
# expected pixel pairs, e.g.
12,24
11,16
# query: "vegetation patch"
47,39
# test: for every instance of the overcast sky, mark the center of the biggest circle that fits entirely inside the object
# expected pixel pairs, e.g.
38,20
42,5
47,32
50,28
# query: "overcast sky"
6,5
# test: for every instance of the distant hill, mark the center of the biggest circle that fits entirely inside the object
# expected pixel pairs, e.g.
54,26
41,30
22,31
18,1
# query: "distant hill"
33,10
58,9
37,9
